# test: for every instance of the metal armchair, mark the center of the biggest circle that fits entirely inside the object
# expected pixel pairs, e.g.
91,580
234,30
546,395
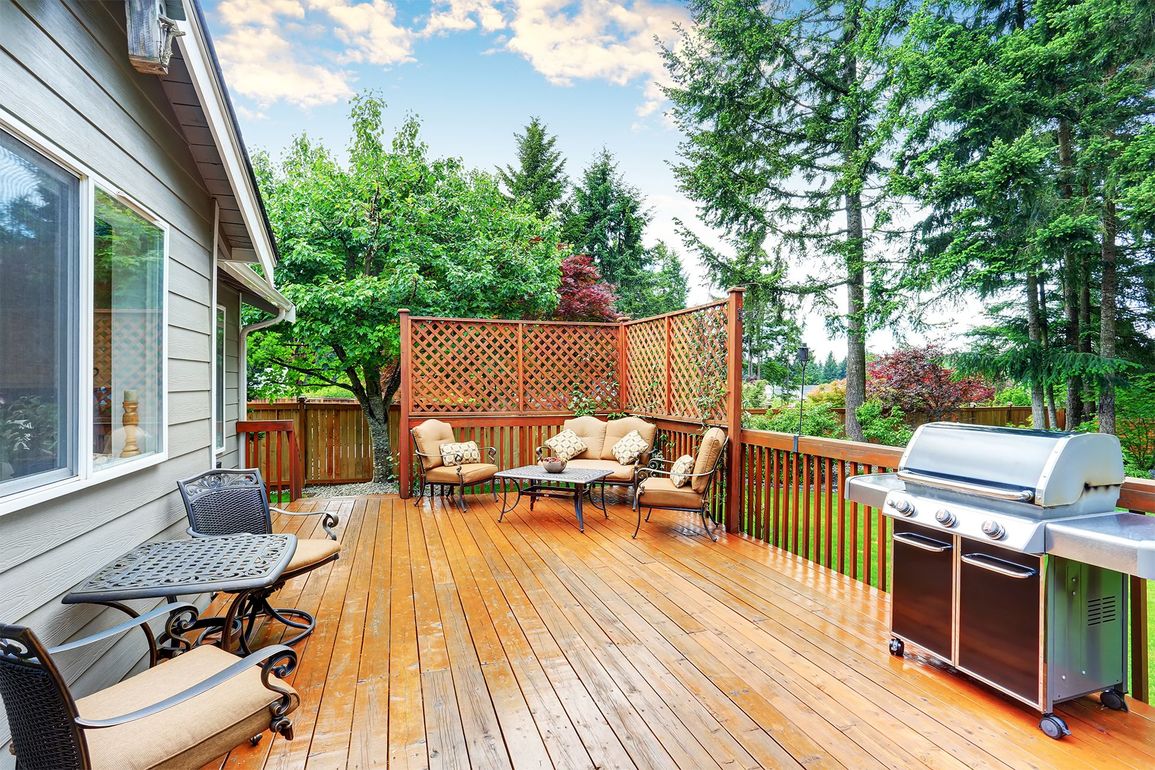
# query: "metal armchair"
230,502
656,488
432,472
180,713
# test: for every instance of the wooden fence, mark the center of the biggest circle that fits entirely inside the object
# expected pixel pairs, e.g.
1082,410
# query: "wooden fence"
334,439
971,415
272,446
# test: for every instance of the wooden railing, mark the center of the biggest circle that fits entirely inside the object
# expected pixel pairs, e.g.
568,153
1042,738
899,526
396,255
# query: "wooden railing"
796,500
271,445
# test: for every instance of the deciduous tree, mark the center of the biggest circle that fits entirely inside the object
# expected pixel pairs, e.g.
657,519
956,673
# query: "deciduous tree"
915,381
582,295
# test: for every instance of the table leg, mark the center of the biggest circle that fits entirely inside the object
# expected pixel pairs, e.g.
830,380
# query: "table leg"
579,493
505,507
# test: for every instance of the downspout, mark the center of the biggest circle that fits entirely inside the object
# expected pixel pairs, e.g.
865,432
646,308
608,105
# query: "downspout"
213,337
243,356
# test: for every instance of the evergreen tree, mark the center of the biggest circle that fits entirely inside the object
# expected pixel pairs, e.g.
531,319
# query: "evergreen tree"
539,177
783,109
605,218
669,284
829,368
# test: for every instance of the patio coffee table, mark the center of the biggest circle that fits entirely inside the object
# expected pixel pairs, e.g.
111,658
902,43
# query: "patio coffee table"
572,482
244,565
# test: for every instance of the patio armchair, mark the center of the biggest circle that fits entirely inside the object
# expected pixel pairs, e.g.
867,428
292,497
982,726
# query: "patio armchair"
599,436
231,502
656,489
433,471
180,713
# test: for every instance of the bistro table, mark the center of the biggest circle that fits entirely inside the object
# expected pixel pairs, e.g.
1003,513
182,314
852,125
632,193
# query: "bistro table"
243,565
569,483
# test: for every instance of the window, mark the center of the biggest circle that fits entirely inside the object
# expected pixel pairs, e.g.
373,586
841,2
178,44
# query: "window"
219,383
83,283
39,262
127,333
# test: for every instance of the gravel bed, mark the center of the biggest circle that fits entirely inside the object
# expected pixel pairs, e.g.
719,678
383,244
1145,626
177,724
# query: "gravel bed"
351,490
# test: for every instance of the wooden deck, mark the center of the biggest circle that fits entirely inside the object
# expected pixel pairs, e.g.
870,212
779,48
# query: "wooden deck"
449,640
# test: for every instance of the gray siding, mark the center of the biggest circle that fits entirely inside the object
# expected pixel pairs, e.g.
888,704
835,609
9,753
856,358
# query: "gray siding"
64,71
231,300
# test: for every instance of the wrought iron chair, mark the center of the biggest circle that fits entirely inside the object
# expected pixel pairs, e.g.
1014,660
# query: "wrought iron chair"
183,712
432,472
656,488
230,502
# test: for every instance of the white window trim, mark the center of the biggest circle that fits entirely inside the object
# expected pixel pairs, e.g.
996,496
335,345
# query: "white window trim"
220,379
86,474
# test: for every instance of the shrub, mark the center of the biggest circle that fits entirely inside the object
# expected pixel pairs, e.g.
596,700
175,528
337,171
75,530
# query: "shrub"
882,427
915,381
832,394
754,395
817,420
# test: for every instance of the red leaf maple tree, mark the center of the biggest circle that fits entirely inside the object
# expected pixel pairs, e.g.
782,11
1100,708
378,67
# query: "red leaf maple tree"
915,381
582,294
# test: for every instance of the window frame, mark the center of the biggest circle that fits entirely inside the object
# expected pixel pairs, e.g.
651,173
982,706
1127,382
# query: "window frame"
220,378
86,474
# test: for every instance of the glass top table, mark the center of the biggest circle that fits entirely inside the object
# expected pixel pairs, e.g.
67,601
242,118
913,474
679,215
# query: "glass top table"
572,483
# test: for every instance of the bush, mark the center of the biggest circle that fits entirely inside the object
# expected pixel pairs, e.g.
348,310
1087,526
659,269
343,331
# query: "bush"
832,394
879,427
754,395
817,420
1012,395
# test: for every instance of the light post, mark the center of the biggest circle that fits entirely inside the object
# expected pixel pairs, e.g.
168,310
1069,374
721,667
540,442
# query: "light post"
803,358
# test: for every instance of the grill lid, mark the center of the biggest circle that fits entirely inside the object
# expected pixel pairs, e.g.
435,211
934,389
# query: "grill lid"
1042,467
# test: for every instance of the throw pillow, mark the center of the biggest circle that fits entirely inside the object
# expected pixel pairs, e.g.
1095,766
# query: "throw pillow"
459,453
680,469
629,448
566,445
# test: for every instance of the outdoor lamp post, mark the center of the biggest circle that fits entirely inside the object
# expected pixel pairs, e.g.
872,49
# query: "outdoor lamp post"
803,358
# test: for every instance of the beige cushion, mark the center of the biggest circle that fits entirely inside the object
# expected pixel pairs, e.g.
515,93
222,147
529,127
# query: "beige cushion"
310,551
618,472
593,434
184,736
566,445
708,451
468,451
470,472
629,448
429,436
659,491
679,470
616,430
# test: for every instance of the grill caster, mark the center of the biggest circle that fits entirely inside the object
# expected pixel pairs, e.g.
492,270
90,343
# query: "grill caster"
897,648
1053,726
1113,699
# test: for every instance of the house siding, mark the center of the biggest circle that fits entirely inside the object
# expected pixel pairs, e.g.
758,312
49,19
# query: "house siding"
230,299
64,71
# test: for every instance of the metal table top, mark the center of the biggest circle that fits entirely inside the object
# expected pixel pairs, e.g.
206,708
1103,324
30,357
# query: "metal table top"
169,568
568,476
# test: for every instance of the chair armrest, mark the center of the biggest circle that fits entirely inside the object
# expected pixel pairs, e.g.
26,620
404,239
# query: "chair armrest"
660,472
275,660
331,520
181,616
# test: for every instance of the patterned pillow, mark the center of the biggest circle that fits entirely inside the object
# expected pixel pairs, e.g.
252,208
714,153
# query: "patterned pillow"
629,448
566,445
468,451
679,470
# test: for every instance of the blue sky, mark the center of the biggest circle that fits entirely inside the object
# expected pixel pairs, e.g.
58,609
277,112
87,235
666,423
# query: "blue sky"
474,71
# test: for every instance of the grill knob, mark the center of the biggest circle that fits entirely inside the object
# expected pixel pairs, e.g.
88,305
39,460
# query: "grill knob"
945,517
903,506
993,529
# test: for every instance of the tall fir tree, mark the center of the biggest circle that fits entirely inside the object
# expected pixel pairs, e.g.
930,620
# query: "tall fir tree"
782,106
539,177
606,218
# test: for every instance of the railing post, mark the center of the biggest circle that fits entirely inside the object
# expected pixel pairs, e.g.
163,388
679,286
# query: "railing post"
521,367
623,367
406,453
734,406
669,364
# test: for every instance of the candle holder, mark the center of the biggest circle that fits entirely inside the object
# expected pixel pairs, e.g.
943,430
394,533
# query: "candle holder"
131,422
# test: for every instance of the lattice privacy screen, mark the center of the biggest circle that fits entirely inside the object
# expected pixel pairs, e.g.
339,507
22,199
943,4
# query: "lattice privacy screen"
675,366
483,367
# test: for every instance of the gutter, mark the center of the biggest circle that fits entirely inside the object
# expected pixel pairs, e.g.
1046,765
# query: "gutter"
258,286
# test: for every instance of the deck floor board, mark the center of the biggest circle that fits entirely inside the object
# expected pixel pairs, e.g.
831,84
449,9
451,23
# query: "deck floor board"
447,639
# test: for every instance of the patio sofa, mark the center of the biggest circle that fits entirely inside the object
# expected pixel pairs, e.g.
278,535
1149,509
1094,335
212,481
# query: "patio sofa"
599,436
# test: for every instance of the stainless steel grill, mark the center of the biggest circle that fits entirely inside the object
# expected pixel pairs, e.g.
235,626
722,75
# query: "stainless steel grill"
1009,558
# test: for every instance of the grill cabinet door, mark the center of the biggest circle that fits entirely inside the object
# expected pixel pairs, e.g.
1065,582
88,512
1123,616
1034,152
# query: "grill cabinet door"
922,583
1000,602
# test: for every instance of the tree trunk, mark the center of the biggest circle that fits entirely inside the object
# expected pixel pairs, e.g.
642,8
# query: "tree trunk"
1072,279
1107,312
1035,333
1052,411
855,246
1086,407
377,417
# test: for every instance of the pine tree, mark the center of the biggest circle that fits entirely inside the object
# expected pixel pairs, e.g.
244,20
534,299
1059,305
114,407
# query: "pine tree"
783,109
539,177
669,284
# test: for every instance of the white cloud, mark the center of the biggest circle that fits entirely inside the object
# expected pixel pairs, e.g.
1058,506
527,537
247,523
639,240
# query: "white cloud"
264,61
464,15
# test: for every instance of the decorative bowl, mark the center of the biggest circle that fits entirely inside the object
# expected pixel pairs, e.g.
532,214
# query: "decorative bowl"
553,464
